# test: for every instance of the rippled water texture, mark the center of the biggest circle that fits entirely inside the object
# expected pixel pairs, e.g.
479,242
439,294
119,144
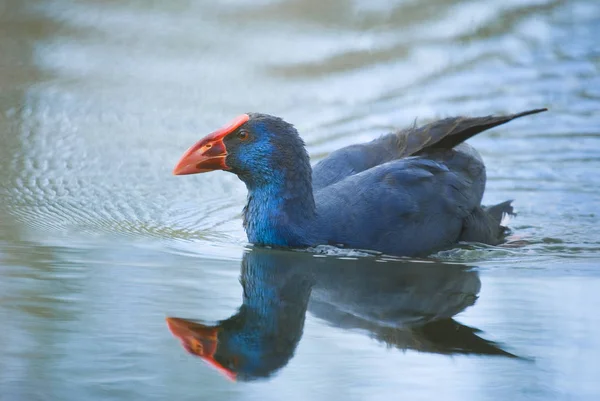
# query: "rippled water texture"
99,243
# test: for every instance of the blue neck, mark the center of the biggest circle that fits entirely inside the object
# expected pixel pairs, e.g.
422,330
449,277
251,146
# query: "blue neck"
267,328
279,212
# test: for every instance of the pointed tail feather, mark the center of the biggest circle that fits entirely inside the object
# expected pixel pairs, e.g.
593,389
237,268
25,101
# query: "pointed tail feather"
484,224
497,212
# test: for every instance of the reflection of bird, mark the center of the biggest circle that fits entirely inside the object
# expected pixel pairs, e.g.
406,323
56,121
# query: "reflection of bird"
408,305
262,336
407,193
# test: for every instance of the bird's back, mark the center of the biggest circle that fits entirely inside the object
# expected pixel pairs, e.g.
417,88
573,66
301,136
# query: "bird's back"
410,206
409,193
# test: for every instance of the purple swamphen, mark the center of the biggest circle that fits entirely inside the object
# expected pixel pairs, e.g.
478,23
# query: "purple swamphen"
409,193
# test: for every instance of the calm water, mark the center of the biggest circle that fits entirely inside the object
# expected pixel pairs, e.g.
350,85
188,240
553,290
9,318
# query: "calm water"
99,243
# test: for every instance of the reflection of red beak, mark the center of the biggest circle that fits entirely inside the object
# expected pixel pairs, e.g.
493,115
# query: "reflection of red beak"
200,340
209,153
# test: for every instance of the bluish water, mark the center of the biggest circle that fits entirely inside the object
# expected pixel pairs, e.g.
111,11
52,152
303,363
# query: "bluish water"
99,243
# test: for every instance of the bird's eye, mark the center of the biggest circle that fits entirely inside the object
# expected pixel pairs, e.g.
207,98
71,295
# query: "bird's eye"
243,135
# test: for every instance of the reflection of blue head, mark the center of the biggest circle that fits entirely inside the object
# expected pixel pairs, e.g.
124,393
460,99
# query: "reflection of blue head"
263,335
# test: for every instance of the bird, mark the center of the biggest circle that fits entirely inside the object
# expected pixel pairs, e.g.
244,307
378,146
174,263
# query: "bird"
412,192
401,303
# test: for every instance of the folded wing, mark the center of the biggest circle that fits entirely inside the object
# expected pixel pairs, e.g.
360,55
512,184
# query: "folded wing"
441,134
408,206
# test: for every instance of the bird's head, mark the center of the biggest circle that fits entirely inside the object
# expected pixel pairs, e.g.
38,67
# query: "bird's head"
256,147
239,352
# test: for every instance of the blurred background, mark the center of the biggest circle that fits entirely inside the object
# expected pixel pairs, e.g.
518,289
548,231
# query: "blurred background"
99,242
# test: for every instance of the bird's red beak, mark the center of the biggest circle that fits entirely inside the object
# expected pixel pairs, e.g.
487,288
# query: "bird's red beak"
209,153
199,340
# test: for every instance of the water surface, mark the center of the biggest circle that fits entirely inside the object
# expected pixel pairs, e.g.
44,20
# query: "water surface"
99,243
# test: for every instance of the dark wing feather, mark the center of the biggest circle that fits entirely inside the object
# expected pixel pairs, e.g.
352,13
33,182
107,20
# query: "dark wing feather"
441,134
449,132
